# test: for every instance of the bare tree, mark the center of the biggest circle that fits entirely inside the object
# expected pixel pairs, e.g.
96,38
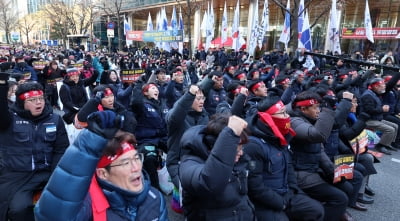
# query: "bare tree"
57,12
8,18
188,12
112,9
26,25
321,5
76,18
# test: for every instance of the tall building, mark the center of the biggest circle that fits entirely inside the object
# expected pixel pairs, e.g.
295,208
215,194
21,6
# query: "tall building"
35,5
19,7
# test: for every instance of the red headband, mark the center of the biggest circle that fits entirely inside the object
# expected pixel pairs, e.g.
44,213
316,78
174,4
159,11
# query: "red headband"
107,92
241,75
376,83
274,108
178,73
237,90
306,103
317,80
285,81
343,76
29,94
107,160
147,87
254,72
388,78
259,84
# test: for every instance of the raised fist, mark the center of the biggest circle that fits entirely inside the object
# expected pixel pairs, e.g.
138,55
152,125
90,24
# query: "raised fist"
105,123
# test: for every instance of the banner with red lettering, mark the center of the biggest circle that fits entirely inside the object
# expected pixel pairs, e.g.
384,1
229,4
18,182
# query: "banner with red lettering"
378,33
344,167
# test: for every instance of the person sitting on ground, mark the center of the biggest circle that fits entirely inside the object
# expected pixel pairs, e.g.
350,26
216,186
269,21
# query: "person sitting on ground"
73,94
33,139
104,99
213,171
313,127
371,103
105,180
213,91
273,186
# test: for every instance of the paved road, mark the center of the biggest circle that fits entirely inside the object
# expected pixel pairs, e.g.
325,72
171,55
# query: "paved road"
387,188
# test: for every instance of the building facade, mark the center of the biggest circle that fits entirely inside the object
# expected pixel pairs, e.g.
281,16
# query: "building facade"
384,15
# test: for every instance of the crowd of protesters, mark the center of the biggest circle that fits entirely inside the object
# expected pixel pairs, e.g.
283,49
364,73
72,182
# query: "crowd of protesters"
242,138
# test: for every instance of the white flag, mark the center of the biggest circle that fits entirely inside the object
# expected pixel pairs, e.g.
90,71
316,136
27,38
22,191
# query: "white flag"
300,21
209,26
164,26
368,24
181,27
334,30
235,29
305,38
158,27
203,25
224,26
285,35
174,26
212,19
264,24
254,31
127,27
149,23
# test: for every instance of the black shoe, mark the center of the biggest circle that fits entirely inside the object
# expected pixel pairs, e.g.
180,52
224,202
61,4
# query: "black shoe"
359,206
369,191
390,147
347,217
396,144
365,199
382,149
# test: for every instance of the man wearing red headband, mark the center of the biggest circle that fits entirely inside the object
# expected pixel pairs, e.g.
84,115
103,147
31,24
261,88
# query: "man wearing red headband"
371,103
175,87
257,92
272,186
100,177
228,75
32,141
313,127
282,88
213,91
73,94
391,98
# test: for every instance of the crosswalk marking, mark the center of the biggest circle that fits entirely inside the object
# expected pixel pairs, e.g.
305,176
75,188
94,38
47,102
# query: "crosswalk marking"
395,160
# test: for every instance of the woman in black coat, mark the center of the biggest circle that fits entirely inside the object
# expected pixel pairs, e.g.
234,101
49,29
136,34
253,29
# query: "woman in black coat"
213,172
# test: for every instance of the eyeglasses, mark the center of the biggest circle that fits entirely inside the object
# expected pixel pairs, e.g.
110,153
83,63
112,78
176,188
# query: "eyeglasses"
35,99
137,159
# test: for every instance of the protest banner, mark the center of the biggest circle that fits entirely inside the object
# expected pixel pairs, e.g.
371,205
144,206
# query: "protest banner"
344,167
